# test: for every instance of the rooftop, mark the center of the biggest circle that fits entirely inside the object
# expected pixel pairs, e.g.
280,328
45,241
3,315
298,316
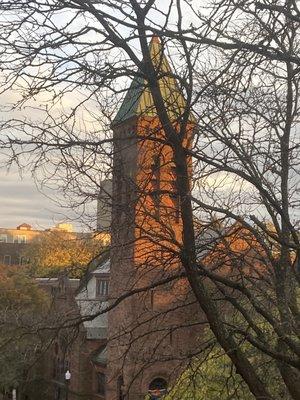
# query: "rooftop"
138,99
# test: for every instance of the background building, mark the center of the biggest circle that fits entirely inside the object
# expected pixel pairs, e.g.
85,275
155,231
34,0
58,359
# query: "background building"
13,241
80,349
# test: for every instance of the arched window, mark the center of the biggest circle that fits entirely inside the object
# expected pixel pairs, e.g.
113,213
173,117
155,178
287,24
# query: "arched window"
101,383
120,388
158,388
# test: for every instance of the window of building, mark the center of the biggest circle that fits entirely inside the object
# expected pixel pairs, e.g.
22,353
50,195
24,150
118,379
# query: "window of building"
173,172
156,204
3,238
152,299
118,171
175,206
20,239
174,198
155,171
101,383
120,388
102,287
61,367
171,337
23,260
155,163
7,259
155,184
57,393
157,388
54,368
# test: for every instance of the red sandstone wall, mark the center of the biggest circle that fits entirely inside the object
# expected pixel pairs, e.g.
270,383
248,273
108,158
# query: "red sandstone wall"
150,333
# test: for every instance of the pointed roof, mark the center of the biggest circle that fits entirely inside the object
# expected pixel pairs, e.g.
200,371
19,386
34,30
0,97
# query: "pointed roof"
138,99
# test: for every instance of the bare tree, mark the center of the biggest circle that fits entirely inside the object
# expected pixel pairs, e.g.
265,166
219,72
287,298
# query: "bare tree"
237,64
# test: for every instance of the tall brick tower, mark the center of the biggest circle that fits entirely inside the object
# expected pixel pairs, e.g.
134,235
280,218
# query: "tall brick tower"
152,332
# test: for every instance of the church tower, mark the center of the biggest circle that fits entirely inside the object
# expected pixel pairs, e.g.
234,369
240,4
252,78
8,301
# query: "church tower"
152,329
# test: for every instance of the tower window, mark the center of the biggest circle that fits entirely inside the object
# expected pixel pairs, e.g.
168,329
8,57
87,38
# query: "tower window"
155,171
171,337
155,163
174,195
101,383
120,388
57,393
152,299
176,206
156,204
155,184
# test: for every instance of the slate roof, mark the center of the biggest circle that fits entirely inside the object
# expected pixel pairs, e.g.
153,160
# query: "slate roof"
87,302
97,264
138,99
129,106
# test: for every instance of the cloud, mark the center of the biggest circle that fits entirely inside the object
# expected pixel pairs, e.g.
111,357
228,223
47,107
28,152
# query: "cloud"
20,201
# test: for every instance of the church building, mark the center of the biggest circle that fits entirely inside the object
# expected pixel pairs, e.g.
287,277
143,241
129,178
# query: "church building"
152,331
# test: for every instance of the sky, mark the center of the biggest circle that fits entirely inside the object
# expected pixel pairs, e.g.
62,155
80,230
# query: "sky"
21,201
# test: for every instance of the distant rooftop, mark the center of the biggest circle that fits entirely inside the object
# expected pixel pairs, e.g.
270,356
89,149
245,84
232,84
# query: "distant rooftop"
62,226
24,227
